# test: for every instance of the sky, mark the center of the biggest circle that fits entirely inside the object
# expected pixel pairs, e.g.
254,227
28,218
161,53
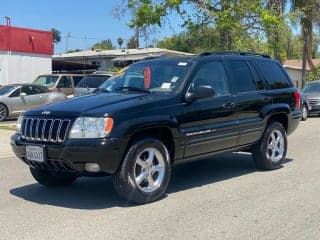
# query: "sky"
84,21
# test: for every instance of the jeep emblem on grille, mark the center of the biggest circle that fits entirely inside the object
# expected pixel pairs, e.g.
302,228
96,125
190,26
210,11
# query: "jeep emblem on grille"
45,112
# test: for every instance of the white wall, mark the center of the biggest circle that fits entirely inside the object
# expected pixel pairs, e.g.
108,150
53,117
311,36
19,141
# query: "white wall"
295,75
22,68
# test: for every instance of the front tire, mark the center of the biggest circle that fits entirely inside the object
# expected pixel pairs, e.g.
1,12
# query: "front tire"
3,112
304,113
145,172
52,179
271,149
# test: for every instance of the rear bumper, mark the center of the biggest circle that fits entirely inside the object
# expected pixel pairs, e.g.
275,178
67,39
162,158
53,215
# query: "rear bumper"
73,154
293,121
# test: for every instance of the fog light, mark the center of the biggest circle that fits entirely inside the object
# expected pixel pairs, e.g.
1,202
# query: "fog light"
92,167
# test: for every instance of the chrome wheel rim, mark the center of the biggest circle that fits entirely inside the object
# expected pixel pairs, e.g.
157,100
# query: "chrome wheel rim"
275,148
149,170
3,112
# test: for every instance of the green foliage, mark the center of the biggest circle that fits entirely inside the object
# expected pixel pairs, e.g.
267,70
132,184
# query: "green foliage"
74,50
56,34
314,74
259,25
103,45
133,43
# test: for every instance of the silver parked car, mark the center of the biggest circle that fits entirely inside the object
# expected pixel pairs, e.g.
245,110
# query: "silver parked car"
17,98
90,83
312,93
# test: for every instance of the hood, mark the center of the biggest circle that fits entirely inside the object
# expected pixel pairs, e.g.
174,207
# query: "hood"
312,95
93,105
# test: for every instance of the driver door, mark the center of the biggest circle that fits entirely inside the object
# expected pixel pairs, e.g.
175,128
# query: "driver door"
210,124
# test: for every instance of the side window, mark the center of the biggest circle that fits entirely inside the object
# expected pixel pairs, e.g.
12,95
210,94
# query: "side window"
16,93
241,76
29,90
38,90
76,79
65,82
274,75
212,74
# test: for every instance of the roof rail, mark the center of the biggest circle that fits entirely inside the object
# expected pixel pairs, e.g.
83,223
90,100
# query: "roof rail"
234,53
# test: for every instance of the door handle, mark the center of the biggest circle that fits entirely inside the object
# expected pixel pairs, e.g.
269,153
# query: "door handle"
267,99
229,105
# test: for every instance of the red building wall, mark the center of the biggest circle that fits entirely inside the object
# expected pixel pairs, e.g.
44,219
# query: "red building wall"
25,40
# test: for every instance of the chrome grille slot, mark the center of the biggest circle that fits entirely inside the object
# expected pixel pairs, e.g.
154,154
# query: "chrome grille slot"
313,101
45,130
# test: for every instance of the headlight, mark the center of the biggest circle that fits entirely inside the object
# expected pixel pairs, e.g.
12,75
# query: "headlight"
91,127
19,122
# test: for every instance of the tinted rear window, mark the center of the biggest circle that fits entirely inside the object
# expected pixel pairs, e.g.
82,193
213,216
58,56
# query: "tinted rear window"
274,75
92,81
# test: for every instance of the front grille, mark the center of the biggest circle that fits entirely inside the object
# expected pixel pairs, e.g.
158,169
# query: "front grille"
45,130
313,102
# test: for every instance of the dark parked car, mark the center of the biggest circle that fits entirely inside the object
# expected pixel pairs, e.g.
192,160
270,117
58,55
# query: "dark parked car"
312,93
17,98
159,113
90,83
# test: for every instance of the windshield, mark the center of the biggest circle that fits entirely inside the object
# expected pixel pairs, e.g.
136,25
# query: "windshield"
311,87
155,76
47,81
6,89
92,81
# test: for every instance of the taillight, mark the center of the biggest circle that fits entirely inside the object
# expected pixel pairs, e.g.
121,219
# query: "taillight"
297,99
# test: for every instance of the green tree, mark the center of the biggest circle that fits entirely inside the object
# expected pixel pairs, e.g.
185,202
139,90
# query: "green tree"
133,43
120,42
103,45
56,35
309,16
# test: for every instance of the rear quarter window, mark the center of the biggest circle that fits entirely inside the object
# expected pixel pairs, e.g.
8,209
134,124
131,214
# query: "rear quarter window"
274,75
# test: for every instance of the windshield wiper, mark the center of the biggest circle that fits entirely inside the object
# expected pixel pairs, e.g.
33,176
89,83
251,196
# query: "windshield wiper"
101,90
134,89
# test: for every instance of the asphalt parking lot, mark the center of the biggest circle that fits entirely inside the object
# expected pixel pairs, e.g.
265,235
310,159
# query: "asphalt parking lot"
220,198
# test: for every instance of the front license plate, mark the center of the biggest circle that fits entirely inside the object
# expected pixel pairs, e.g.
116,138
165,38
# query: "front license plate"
35,153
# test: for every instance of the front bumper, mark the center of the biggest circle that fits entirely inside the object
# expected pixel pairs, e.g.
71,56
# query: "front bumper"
72,155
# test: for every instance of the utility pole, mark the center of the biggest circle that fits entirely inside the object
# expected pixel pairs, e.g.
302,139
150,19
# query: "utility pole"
67,44
304,59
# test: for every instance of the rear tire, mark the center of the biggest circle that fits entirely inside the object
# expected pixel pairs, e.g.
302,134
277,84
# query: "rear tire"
52,179
3,112
271,149
145,172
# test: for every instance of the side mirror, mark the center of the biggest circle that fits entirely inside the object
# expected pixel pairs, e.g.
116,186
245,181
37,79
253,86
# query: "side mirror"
23,94
201,92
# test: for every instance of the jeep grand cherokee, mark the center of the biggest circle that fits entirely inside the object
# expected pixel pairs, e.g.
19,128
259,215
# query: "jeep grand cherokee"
159,113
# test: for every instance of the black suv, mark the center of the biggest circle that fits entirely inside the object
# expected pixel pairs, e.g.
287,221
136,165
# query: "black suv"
159,113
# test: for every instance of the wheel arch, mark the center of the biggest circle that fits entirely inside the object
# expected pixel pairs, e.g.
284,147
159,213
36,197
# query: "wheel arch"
162,133
281,117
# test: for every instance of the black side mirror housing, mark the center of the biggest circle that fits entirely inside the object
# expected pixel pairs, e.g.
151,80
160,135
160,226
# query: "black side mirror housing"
201,92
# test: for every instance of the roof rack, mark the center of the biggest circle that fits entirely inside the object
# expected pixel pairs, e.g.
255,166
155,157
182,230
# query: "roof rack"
235,53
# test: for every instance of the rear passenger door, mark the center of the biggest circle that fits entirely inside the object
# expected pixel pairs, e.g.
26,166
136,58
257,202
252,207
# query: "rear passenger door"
209,124
251,99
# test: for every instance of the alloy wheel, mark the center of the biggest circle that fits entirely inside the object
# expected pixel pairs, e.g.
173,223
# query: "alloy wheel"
275,148
149,170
